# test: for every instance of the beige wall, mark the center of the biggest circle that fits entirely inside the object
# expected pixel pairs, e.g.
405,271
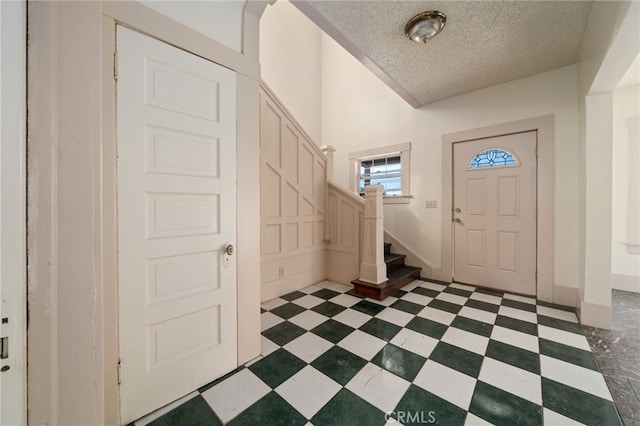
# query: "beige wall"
290,59
293,204
625,255
72,377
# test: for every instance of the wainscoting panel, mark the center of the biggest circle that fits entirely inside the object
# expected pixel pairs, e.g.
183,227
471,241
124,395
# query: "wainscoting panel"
293,199
344,252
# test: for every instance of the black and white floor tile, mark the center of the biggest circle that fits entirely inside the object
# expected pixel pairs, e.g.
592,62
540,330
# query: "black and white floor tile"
430,354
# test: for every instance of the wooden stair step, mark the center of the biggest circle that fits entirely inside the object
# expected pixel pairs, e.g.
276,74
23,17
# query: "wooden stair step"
396,279
394,261
387,248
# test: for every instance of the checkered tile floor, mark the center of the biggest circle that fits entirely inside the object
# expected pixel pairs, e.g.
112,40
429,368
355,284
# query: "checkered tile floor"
452,355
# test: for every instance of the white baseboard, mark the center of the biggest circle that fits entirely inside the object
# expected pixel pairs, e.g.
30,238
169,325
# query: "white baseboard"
595,315
291,283
566,296
625,282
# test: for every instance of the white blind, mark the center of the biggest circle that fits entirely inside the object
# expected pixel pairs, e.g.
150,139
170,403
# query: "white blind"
386,171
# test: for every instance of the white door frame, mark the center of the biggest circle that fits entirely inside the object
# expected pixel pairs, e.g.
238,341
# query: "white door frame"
13,383
544,126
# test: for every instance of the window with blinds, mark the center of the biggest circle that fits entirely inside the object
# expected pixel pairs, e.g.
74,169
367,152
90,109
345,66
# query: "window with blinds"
388,166
386,171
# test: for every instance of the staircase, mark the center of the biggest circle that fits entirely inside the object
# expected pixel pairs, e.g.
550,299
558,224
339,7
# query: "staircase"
398,275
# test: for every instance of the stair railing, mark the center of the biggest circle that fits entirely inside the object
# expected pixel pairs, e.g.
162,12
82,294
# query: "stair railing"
363,227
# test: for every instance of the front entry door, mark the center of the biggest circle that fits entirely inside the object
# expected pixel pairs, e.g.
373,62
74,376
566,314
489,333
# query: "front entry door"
494,202
176,217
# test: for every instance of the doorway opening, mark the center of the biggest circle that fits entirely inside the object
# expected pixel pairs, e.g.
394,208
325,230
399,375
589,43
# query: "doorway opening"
543,128
494,201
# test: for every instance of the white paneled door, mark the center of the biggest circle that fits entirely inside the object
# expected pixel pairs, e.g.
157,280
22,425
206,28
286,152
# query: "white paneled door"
494,202
176,222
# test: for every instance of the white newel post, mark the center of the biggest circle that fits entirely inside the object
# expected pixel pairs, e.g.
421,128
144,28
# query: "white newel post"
373,269
328,151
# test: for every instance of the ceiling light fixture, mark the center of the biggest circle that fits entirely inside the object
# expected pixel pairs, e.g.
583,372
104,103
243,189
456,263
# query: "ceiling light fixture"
425,26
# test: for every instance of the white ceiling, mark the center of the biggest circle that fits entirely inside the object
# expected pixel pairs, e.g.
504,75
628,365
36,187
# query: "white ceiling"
483,43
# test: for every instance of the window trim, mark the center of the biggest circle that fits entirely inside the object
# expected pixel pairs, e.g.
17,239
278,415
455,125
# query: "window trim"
496,148
401,149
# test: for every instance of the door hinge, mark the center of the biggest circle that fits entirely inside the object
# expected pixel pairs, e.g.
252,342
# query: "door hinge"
119,371
115,65
4,347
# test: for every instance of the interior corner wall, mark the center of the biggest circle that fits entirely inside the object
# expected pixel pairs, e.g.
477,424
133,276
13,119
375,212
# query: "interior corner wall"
598,181
610,44
553,92
358,111
290,59
625,258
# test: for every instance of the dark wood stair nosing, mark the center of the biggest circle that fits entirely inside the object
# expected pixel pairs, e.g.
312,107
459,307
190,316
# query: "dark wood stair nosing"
393,284
394,261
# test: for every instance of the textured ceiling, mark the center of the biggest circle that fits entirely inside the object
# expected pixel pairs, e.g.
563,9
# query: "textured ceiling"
483,43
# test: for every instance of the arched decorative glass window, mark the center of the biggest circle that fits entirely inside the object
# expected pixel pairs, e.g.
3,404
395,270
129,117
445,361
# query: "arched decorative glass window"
493,158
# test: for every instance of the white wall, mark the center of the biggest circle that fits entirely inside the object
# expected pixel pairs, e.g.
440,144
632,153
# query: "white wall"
218,20
552,92
625,265
290,58
610,44
358,110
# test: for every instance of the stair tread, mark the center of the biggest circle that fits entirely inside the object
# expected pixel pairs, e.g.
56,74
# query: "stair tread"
393,276
390,257
402,272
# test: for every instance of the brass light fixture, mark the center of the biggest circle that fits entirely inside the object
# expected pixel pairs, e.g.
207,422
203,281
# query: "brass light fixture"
425,26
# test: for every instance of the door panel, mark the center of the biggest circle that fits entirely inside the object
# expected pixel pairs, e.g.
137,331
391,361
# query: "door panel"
176,214
475,197
495,213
